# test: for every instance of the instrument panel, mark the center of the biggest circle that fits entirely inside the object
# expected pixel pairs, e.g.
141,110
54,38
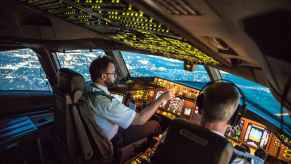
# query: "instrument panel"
182,105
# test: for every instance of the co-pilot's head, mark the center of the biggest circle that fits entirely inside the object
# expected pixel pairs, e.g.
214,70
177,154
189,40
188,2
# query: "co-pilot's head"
220,102
102,70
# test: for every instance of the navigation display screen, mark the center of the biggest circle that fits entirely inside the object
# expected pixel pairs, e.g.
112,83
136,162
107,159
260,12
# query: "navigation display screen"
176,105
255,134
187,111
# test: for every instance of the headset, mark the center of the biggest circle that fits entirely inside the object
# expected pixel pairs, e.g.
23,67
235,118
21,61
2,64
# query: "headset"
241,109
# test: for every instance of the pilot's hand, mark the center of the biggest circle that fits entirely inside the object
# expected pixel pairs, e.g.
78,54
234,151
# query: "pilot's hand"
167,95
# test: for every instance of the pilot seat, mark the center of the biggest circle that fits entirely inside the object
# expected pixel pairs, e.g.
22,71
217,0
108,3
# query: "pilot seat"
188,143
78,138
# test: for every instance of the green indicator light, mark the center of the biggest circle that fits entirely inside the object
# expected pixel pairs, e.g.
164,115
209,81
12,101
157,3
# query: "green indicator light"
141,14
129,7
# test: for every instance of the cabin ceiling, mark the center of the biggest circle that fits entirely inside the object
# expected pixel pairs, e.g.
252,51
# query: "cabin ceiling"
247,38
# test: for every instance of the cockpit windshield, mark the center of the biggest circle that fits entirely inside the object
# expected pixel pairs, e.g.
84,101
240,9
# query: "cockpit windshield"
144,65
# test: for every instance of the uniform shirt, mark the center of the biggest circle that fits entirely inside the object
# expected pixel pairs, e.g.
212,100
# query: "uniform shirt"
218,133
109,113
246,158
243,157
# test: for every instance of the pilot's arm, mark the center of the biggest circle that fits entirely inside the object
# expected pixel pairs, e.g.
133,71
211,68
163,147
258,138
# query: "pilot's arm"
123,116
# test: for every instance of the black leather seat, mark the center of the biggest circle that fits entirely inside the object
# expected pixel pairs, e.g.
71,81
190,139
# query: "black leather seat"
187,143
80,139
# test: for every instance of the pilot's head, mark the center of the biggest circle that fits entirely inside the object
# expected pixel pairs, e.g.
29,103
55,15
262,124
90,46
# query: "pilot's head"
220,102
102,70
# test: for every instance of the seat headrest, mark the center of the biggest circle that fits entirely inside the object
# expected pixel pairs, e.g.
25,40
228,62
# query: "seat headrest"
180,128
69,81
189,143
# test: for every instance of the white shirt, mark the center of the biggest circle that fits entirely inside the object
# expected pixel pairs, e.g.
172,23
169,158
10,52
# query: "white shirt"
110,114
218,133
241,159
243,156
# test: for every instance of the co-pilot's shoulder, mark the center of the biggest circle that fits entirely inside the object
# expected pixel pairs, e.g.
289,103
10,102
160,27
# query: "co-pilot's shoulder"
102,100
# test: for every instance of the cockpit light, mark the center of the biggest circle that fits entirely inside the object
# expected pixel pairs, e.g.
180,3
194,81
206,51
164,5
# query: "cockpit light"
131,26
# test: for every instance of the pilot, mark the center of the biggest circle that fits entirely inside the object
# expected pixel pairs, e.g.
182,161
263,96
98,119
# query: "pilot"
111,114
220,102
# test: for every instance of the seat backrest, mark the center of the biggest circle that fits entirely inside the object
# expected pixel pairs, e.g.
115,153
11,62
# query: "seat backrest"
189,143
80,136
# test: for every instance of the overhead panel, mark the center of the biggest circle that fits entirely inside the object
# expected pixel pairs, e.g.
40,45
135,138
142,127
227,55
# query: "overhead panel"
120,21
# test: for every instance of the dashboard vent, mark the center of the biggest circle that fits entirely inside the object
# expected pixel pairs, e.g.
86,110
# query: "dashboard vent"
177,7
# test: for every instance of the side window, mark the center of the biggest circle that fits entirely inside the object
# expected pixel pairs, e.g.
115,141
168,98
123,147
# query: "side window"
261,101
254,92
79,60
21,70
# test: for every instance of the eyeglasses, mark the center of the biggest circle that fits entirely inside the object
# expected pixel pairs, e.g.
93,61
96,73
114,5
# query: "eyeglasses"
114,74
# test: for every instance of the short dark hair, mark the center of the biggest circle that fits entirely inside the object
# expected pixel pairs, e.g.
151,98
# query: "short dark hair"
220,102
99,66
